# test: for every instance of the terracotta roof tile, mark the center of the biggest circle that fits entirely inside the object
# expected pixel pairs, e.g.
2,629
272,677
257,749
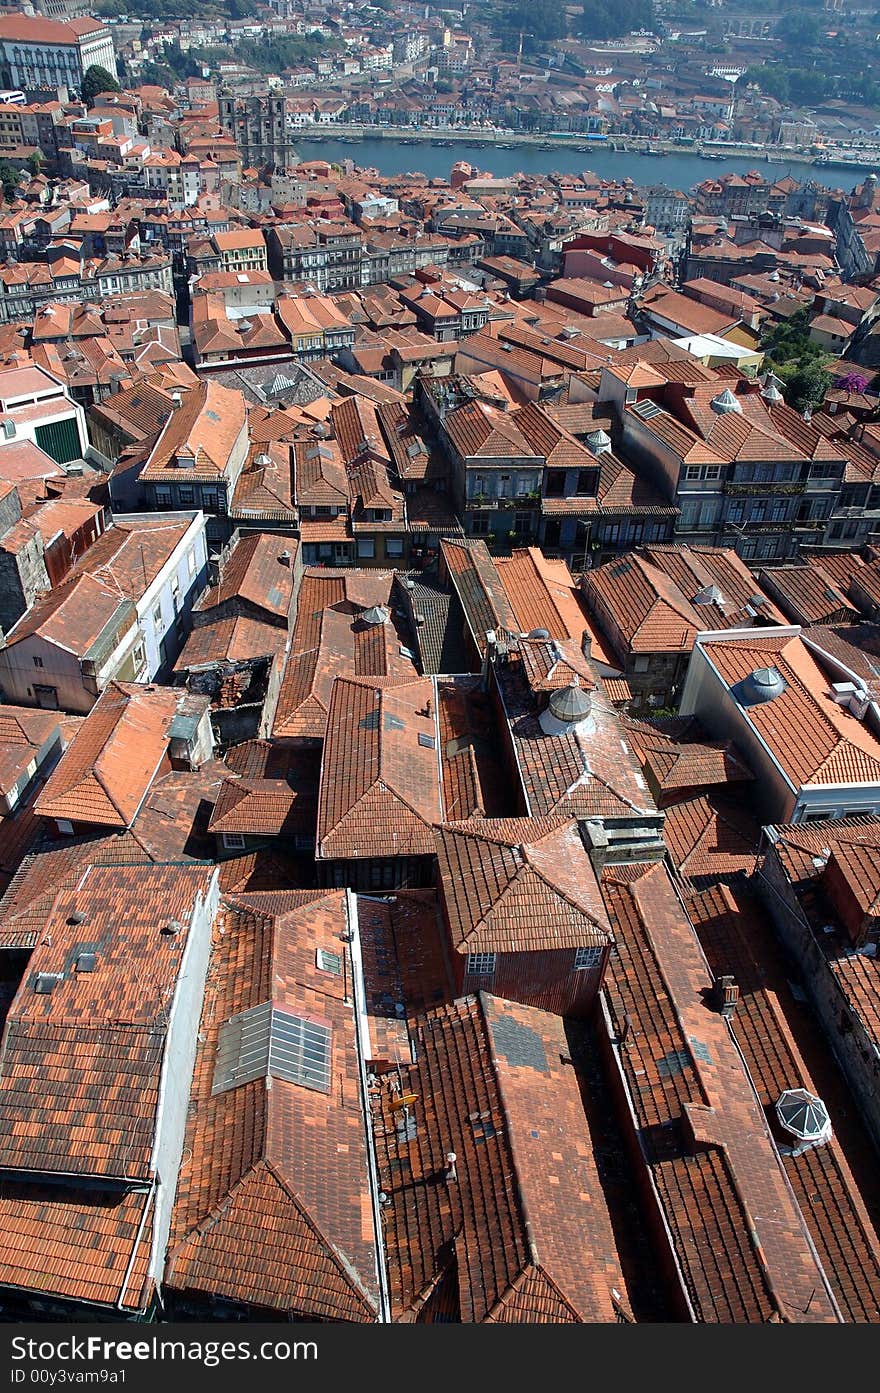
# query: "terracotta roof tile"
814,739
255,1220
737,1236
255,575
776,1036
96,1038
523,1234
380,776
519,885
105,772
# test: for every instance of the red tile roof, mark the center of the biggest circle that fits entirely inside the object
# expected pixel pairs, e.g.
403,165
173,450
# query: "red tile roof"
82,1064
776,1034
477,583
105,772
380,776
542,594
515,885
815,740
737,1237
23,733
273,1206
254,574
523,1232
586,772
269,792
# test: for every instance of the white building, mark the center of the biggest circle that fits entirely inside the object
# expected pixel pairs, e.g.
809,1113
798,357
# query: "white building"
121,615
812,740
35,406
49,53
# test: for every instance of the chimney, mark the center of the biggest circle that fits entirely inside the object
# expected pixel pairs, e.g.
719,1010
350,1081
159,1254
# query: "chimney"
586,643
176,399
451,1172
727,995
595,839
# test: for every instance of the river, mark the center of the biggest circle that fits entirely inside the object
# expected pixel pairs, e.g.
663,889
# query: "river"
678,171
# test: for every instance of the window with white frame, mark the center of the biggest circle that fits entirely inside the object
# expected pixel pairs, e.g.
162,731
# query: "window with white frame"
233,841
481,964
586,958
191,561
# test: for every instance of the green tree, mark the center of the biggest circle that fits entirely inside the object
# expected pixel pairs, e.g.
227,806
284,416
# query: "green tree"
9,179
35,161
96,80
799,29
807,386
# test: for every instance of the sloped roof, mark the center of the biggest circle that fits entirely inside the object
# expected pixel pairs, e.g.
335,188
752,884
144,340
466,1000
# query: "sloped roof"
272,1206
523,1234
380,777
106,770
815,740
518,885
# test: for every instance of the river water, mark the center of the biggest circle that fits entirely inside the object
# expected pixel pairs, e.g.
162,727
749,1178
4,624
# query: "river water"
678,171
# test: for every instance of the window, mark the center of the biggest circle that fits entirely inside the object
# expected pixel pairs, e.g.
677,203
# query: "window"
233,841
481,964
157,616
187,495
586,481
328,962
38,662
640,664
175,590
587,958
191,562
504,486
163,498
394,546
366,547
479,526
555,483
140,656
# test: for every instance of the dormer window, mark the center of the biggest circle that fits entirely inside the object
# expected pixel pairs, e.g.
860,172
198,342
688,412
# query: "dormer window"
185,461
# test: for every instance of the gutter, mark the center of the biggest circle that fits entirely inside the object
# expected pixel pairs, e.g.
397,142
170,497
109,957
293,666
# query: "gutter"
362,1045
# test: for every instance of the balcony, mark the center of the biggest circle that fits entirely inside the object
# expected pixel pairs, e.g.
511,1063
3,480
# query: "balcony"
752,490
483,502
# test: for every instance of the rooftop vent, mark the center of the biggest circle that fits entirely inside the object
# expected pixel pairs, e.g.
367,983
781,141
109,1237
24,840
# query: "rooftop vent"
726,402
45,982
762,685
599,442
568,706
171,927
86,962
538,633
805,1117
709,595
376,614
76,917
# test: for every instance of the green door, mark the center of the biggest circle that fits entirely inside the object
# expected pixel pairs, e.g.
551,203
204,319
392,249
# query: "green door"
60,440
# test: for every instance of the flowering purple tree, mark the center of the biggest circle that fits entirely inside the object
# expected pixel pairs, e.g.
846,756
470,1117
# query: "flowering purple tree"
853,382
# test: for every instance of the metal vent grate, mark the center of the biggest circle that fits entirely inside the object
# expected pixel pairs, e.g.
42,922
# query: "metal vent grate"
266,1042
